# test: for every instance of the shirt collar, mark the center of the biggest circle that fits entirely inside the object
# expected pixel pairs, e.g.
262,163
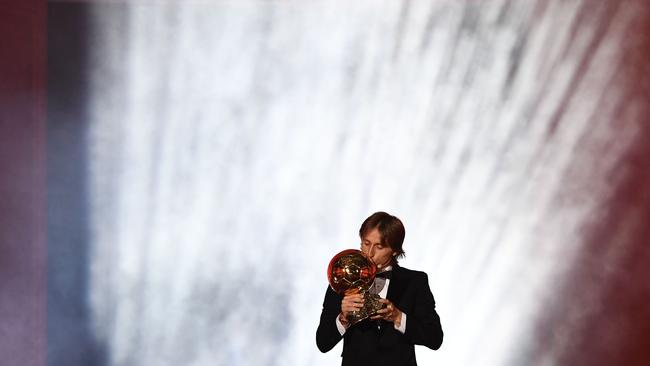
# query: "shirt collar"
387,268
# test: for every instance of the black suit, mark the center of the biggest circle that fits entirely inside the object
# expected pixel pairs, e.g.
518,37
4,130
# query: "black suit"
378,343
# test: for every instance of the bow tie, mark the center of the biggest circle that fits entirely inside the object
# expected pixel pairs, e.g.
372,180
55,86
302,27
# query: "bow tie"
385,274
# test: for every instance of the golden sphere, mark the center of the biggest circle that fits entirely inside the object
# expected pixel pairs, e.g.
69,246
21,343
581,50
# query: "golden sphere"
351,269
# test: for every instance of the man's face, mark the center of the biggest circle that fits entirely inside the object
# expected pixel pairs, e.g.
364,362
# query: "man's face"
371,246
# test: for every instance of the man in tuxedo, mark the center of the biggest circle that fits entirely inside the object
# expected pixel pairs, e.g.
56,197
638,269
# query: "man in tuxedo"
408,318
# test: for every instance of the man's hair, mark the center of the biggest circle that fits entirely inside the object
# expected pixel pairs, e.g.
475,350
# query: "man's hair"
390,228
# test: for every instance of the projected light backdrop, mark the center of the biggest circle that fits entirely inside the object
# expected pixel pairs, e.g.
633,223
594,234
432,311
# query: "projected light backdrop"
234,147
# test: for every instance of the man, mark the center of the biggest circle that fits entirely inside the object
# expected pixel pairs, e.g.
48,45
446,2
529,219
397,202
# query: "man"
409,317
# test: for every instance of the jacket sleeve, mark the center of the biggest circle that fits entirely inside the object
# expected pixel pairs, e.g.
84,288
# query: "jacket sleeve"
423,325
327,334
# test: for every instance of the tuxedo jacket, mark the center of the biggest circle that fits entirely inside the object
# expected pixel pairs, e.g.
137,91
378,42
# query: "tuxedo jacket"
377,342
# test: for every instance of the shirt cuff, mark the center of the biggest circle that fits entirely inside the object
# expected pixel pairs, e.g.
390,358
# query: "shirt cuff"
402,324
340,326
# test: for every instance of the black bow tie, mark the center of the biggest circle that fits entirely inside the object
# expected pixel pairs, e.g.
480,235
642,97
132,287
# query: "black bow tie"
385,274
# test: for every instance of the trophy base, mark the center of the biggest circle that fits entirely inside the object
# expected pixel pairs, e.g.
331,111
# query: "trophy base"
371,305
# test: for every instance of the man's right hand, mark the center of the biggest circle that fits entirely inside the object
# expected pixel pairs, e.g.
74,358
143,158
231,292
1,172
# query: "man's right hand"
352,301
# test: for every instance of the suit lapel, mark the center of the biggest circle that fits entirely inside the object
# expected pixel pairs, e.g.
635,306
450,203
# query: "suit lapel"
396,289
396,285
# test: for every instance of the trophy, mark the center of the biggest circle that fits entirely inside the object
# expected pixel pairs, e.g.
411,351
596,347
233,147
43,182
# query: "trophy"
351,270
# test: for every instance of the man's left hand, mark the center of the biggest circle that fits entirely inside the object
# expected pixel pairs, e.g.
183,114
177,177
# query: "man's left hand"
390,313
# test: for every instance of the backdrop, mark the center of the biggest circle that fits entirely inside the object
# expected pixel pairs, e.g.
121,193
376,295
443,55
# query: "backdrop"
207,159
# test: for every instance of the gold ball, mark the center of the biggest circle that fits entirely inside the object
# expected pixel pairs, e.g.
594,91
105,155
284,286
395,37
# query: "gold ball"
351,269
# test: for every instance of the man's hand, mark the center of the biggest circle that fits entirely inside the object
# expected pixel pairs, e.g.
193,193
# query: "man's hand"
352,301
390,313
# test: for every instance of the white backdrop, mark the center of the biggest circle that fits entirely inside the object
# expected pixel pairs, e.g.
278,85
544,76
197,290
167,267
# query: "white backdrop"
237,146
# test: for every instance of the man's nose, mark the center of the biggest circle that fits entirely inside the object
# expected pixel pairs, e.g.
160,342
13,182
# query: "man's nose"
371,251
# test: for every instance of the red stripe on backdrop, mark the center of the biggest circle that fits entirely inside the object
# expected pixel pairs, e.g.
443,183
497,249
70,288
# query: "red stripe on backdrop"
22,183
600,314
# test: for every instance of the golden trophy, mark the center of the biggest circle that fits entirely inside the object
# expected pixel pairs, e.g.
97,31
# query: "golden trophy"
352,271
